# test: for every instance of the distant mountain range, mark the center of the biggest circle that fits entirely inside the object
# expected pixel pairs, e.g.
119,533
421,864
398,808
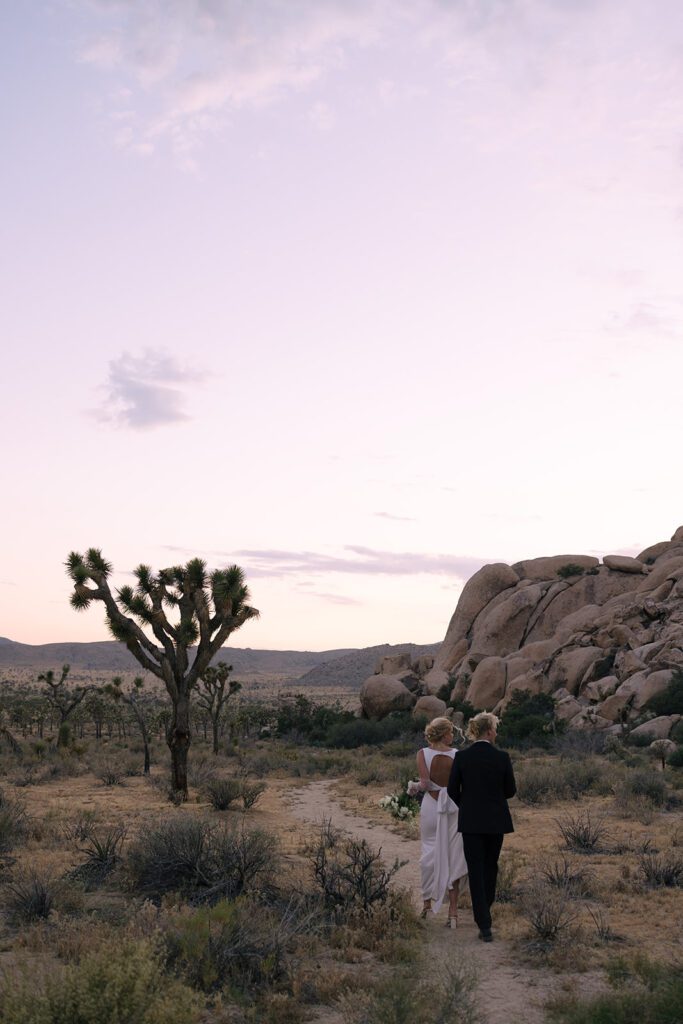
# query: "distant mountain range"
342,667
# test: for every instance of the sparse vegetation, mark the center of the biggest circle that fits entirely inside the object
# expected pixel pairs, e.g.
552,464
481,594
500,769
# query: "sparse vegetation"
529,721
582,833
570,569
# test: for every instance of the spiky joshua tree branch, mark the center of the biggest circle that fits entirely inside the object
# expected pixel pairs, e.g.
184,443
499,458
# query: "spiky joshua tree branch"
208,607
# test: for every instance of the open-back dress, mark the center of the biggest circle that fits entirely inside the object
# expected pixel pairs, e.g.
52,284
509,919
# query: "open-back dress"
443,861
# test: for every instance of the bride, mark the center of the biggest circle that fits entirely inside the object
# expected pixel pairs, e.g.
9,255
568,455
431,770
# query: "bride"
442,863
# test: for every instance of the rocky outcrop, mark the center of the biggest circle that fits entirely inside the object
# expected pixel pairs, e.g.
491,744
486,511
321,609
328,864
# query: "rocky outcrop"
603,637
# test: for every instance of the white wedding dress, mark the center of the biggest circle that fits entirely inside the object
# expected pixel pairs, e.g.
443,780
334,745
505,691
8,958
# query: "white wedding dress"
443,861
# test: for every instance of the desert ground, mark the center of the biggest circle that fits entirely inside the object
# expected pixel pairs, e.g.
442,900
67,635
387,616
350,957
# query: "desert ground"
572,915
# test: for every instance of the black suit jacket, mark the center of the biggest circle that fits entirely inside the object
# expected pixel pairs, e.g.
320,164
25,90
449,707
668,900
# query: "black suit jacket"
481,782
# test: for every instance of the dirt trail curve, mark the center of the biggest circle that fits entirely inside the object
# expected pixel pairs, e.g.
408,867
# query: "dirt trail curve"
509,993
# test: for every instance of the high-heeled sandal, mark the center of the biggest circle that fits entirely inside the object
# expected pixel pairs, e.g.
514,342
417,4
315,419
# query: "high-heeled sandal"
423,913
452,921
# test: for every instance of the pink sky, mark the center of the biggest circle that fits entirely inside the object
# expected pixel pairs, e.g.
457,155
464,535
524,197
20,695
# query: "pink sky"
357,294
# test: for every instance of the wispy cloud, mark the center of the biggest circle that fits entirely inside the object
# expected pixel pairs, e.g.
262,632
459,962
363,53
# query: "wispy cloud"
355,560
654,317
146,391
188,66
396,519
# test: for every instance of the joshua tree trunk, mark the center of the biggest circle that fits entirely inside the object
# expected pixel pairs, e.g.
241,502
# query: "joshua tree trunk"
178,740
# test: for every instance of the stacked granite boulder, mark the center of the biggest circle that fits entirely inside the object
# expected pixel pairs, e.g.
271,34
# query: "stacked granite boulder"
602,637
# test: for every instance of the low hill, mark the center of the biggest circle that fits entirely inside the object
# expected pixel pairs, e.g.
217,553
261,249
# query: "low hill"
111,656
350,669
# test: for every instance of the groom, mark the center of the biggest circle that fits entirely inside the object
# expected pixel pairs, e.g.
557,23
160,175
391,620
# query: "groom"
481,783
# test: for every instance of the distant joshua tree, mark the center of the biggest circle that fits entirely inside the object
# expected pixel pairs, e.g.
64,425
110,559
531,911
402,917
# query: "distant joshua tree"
213,696
210,607
133,698
63,699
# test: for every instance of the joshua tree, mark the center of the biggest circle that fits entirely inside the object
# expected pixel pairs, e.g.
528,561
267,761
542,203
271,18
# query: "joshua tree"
62,699
134,701
212,695
210,607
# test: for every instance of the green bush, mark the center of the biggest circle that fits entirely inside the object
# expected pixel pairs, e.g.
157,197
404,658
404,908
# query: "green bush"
528,721
360,732
669,701
675,758
570,569
302,717
112,985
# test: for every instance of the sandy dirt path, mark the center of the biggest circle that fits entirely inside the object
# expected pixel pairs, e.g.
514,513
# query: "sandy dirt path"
509,993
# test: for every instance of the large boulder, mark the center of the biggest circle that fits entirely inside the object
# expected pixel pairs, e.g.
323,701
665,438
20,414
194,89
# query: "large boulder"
430,707
393,664
382,694
570,666
623,563
550,568
502,630
481,588
668,569
657,728
600,689
488,684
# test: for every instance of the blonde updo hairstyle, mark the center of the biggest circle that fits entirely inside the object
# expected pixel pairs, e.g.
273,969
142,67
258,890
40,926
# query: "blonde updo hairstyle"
438,729
482,723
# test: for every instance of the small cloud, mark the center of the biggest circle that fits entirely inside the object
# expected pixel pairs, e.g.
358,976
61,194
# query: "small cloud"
335,598
654,318
396,519
139,394
8,583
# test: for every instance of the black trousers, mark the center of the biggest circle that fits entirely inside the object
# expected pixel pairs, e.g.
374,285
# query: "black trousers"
481,853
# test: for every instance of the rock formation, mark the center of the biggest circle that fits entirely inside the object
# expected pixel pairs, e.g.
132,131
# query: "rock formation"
603,638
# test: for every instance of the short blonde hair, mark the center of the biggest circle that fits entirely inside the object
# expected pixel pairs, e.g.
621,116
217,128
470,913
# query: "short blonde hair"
484,722
437,729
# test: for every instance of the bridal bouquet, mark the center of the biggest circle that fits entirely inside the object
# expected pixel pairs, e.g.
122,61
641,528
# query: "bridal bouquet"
401,805
413,788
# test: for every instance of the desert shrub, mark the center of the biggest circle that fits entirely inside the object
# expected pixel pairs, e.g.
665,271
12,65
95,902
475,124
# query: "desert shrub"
645,992
200,860
580,742
110,773
571,879
360,732
670,700
638,740
464,707
222,792
27,898
550,912
348,873
661,869
508,872
200,772
444,992
102,852
570,569
529,721
124,982
300,716
675,758
251,793
540,782
13,822
649,785
237,943
581,833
